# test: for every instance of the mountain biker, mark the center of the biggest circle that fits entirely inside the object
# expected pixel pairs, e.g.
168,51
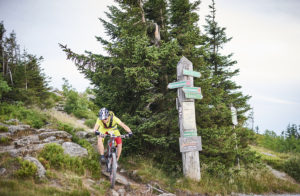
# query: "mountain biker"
107,122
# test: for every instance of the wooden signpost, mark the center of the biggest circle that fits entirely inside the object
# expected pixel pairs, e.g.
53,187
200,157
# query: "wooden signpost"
189,142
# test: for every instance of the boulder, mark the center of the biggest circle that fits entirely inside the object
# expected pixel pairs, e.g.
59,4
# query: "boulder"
45,130
114,193
2,171
40,168
74,149
84,134
58,134
13,121
49,139
17,130
27,140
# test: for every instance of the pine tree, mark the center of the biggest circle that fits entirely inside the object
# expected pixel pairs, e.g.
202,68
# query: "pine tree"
223,91
22,72
146,42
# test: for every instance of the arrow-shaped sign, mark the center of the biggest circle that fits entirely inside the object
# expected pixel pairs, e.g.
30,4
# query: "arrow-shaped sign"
192,89
179,84
191,73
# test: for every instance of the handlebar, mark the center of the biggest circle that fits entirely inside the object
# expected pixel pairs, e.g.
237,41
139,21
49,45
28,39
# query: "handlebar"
126,136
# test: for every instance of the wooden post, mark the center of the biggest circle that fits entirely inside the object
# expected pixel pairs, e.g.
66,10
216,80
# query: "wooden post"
190,143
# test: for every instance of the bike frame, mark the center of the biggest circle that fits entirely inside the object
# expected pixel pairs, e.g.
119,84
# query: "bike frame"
111,157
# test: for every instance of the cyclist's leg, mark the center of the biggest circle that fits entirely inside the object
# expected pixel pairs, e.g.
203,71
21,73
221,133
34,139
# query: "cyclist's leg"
119,144
119,151
100,145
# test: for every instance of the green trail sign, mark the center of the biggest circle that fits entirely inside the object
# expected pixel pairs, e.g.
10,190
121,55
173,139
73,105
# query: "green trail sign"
189,133
191,89
190,95
192,92
191,73
179,84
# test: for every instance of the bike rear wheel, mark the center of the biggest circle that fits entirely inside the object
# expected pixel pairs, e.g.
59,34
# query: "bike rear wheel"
113,171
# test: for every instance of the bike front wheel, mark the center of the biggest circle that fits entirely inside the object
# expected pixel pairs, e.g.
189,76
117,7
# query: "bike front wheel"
113,171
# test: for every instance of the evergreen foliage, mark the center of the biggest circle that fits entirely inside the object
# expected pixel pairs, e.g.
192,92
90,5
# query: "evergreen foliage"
22,78
77,104
223,91
288,141
147,39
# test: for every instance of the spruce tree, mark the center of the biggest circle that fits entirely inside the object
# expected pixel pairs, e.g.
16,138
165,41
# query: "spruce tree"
223,91
22,72
146,41
132,80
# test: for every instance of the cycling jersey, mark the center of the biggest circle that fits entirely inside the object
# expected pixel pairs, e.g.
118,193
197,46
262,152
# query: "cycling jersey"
105,128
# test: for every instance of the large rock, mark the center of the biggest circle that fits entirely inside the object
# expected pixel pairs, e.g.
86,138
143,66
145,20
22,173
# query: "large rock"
42,130
27,140
58,134
40,168
74,150
18,130
84,134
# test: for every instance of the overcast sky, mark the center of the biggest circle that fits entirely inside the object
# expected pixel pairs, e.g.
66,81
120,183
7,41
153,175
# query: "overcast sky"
266,44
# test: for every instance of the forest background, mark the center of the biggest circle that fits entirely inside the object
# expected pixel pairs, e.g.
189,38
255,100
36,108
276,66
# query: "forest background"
145,43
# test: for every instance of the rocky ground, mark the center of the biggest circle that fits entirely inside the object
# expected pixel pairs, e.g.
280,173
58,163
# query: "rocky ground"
25,142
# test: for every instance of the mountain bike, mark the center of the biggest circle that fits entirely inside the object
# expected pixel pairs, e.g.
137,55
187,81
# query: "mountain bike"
111,156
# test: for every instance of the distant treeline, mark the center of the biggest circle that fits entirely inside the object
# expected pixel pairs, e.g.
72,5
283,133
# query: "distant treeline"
288,141
21,76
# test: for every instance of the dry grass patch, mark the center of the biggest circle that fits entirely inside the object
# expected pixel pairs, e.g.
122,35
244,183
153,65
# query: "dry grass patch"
66,118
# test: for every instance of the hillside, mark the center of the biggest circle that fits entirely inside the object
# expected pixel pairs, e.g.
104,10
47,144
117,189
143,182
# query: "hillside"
76,171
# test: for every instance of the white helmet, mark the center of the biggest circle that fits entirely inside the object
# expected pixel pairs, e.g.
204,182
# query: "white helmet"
103,113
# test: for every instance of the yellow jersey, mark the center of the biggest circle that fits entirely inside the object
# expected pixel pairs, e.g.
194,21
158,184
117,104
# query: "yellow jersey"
104,127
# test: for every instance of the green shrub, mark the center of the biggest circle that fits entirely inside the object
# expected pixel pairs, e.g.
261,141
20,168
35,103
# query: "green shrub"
51,101
90,123
28,169
56,158
26,116
292,167
65,127
3,129
4,140
53,153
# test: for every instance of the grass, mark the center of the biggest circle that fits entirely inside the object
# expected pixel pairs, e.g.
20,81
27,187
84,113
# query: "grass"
57,183
67,119
30,188
3,129
25,115
255,181
4,140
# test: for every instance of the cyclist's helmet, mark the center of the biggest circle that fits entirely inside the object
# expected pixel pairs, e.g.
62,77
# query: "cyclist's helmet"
103,113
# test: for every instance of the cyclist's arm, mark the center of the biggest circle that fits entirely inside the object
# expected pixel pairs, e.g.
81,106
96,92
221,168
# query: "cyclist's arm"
124,127
96,127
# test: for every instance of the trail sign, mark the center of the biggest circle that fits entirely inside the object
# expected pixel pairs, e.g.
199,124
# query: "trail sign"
192,89
190,133
234,115
191,73
193,95
189,144
179,84
192,92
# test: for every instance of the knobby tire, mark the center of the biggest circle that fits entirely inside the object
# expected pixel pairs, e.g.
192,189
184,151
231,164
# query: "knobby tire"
113,171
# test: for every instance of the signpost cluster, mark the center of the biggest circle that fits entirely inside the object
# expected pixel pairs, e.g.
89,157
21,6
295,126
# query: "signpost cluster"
190,143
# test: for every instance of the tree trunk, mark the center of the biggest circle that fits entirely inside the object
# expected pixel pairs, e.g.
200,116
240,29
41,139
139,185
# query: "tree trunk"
142,12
